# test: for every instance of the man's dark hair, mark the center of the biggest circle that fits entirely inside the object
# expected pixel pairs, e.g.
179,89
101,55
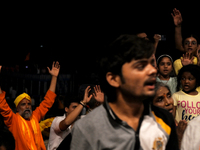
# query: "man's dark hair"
188,35
71,99
193,69
124,49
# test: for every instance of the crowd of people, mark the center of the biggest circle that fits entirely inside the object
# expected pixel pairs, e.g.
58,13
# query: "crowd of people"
142,102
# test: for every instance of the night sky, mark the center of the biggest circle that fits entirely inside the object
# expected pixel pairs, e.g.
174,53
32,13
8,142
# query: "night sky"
75,33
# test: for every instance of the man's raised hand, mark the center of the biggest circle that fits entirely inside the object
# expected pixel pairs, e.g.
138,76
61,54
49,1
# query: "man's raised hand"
177,17
55,69
98,95
87,97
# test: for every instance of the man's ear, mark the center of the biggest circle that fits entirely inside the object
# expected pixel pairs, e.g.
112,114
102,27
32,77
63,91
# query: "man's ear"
66,109
17,108
113,80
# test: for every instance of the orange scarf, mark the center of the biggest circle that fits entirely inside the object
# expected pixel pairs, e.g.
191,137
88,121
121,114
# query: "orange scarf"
32,142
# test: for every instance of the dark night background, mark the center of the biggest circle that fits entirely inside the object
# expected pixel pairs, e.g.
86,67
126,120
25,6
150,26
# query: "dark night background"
75,33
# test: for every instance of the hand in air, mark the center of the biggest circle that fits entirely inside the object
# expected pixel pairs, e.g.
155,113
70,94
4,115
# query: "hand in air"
176,15
98,95
187,59
55,69
87,97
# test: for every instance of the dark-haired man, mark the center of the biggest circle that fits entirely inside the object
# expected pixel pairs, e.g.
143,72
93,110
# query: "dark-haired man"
126,120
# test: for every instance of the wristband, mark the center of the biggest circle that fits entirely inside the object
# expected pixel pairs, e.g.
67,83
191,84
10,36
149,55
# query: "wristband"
83,104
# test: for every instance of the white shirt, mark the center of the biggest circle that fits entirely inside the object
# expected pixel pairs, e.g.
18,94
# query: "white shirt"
172,83
191,137
56,135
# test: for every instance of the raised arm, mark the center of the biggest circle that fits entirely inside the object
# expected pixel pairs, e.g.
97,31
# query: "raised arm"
0,80
54,73
5,110
176,15
157,38
71,118
50,96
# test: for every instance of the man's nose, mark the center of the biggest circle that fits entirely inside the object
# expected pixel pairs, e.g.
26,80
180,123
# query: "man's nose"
27,106
152,70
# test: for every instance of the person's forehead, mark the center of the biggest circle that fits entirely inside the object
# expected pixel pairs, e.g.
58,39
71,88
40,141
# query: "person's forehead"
74,103
190,39
165,58
162,90
186,73
142,60
24,101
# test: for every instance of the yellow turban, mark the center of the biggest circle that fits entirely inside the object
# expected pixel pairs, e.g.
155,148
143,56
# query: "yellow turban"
21,97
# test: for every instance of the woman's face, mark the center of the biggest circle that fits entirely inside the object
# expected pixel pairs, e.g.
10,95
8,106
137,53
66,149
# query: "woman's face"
163,99
190,45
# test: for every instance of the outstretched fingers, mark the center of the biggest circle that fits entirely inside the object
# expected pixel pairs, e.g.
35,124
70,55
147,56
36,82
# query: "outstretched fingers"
86,97
56,65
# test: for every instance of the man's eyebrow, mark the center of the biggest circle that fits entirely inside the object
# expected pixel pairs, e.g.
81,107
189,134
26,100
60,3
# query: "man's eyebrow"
140,61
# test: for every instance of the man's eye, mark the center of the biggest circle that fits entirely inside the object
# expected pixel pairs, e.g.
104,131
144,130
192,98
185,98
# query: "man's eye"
187,42
194,42
141,66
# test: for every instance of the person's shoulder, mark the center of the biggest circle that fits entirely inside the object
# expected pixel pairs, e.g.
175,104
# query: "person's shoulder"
157,78
173,79
179,93
93,117
163,114
195,60
195,122
178,60
58,119
198,92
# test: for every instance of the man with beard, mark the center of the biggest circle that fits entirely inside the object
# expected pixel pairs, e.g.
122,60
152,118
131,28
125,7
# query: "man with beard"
126,120
24,125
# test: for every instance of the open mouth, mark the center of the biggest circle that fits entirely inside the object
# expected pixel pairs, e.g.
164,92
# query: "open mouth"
150,83
190,49
186,86
170,110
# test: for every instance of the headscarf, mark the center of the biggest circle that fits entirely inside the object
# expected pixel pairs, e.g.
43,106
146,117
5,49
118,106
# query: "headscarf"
21,97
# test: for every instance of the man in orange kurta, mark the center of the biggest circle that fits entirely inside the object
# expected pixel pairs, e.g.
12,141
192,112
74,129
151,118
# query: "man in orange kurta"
24,125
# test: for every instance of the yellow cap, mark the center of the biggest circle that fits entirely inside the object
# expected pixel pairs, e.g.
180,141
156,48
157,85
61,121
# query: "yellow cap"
21,97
